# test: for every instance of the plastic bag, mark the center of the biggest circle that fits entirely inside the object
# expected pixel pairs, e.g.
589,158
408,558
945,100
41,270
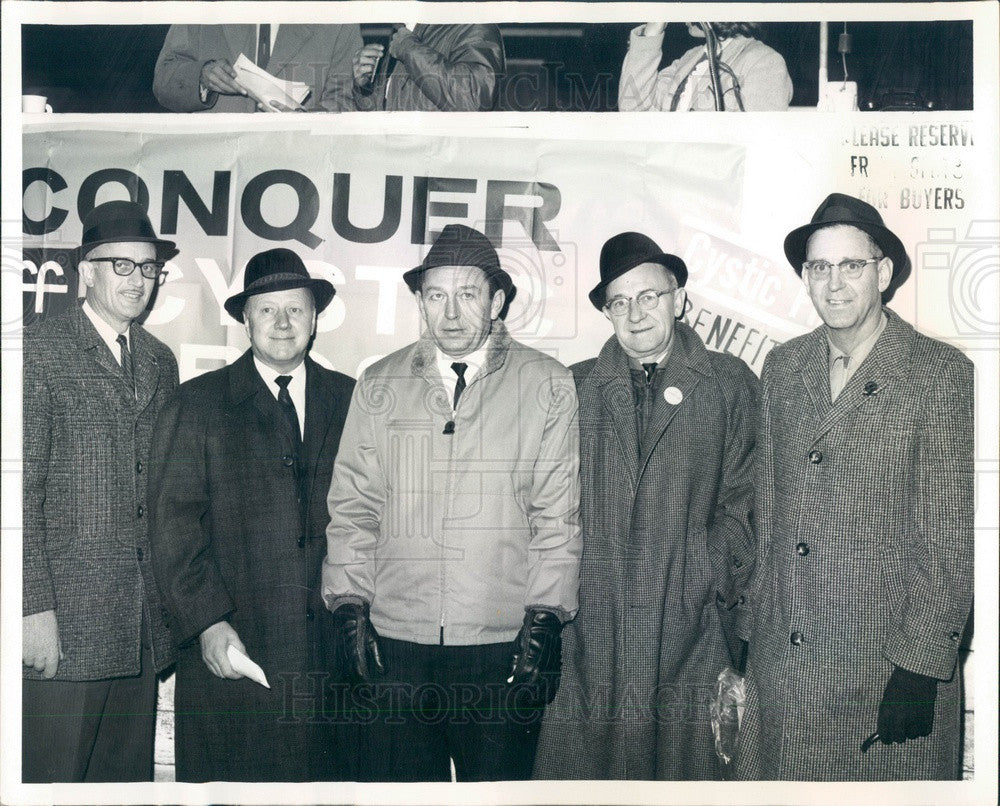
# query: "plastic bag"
726,709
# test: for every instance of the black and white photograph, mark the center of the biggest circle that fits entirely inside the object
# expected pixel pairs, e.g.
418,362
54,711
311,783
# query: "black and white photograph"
557,448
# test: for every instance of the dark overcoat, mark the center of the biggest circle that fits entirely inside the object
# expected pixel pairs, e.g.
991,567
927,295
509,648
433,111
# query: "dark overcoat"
239,524
666,534
86,541
865,556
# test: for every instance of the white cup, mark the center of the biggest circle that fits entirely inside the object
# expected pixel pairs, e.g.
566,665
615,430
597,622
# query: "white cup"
35,104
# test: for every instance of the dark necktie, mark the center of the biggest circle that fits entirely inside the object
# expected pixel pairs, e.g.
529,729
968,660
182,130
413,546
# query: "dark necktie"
649,369
128,371
287,406
459,368
264,46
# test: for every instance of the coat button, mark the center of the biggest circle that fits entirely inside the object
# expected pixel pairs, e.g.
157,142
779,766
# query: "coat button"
742,600
955,635
737,562
309,614
287,460
302,542
815,457
796,638
138,553
140,511
802,549
138,467
164,612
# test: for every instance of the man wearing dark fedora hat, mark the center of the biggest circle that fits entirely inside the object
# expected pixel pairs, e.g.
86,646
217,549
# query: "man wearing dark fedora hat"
865,526
454,544
94,631
667,429
238,477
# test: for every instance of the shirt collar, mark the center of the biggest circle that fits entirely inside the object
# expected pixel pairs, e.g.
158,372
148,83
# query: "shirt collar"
269,374
860,352
474,361
107,333
660,360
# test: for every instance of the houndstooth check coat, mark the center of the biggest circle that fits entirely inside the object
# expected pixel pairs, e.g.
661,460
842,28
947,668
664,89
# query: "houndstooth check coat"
666,534
87,441
865,510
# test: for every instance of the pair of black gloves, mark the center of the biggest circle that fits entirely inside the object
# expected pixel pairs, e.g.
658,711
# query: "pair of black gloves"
536,664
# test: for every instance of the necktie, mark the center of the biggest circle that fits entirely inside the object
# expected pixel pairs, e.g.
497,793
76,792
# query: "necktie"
127,370
838,376
649,369
264,46
287,406
459,368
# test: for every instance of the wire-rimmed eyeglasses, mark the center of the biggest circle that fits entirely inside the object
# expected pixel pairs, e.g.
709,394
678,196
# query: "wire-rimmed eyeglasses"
850,268
647,300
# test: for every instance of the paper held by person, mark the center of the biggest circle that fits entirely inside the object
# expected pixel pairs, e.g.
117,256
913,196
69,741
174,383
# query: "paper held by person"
246,667
265,88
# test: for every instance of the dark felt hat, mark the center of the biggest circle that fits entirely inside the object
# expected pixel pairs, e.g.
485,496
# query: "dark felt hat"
624,252
278,270
839,208
459,245
121,222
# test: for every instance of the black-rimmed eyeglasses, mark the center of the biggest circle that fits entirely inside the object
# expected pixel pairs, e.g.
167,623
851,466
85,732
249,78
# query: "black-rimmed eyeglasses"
123,267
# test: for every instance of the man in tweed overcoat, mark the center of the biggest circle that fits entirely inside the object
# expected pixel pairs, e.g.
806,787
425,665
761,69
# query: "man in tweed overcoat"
865,499
94,627
239,472
666,434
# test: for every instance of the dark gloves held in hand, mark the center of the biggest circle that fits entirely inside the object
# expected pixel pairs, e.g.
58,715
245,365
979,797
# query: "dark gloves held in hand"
907,708
538,656
357,655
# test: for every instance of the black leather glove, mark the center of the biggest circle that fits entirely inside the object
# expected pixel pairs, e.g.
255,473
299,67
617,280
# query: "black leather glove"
538,656
907,707
357,654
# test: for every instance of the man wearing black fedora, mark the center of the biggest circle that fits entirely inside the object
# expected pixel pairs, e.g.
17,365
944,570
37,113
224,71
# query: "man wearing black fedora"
238,477
94,630
667,430
864,498
454,542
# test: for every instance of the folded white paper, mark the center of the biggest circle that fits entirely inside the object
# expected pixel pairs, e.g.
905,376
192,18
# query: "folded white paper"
246,667
264,88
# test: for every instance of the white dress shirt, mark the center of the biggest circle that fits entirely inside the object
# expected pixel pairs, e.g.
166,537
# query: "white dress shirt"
473,360
296,388
107,333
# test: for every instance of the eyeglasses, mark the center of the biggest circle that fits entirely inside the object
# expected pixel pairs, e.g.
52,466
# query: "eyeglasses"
851,268
123,267
647,300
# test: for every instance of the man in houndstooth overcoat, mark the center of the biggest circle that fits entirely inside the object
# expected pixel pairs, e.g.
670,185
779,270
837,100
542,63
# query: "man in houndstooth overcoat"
666,478
95,631
865,542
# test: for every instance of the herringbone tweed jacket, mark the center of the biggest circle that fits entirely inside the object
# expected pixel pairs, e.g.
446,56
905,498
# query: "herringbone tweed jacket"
666,533
86,445
865,556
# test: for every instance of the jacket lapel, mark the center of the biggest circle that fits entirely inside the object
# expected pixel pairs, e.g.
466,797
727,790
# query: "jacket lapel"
687,363
611,377
145,367
887,362
97,351
320,407
287,44
815,371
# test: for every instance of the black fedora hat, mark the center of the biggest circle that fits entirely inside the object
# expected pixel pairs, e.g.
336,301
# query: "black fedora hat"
459,245
624,252
121,222
839,208
278,270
